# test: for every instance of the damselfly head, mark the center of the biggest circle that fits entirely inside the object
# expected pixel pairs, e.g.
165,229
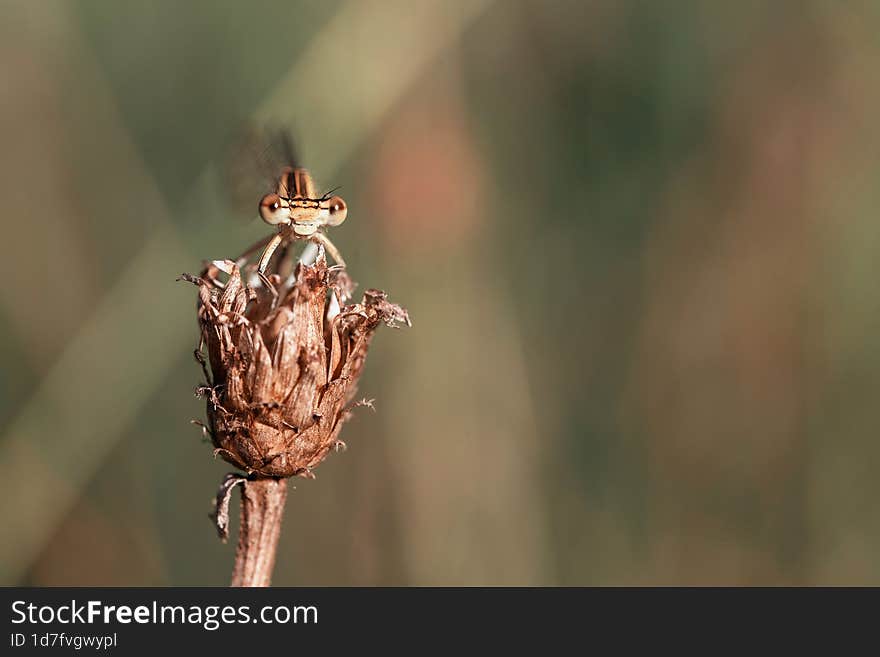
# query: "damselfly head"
295,202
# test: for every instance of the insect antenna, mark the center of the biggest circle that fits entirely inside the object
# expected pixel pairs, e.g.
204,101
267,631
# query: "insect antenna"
326,196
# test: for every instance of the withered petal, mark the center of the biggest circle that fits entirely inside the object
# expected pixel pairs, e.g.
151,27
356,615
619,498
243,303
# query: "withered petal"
259,372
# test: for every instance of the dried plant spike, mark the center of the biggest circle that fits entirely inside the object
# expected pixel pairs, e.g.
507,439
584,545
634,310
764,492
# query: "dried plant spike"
283,354
284,369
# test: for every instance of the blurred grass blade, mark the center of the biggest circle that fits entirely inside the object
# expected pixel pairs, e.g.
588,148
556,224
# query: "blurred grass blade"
338,98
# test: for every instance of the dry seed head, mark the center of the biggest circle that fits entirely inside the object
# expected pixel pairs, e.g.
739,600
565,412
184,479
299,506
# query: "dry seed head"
284,369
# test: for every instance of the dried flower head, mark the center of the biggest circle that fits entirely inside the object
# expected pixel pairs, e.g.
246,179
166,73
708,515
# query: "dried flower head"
284,362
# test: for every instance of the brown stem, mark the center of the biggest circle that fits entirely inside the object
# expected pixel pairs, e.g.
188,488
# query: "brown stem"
262,507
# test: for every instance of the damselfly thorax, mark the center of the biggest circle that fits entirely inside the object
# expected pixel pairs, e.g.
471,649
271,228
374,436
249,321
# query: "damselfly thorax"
299,213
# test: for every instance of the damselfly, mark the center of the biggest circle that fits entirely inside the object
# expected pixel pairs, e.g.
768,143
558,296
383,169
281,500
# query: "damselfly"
293,205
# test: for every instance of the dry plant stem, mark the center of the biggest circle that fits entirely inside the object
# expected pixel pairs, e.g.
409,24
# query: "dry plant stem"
262,508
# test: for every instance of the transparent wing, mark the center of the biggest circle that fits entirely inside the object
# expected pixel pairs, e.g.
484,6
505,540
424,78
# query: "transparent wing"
252,164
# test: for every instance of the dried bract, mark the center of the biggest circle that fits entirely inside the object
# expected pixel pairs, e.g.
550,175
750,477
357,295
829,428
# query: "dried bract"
284,362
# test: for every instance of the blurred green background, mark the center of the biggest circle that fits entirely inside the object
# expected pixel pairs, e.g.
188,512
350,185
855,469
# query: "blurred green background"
638,242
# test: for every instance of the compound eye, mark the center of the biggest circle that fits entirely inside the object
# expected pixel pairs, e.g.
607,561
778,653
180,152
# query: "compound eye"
274,209
338,210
